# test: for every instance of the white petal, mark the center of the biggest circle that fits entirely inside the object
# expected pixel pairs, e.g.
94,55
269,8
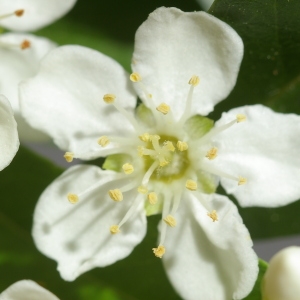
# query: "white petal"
78,235
9,141
37,13
26,290
264,149
65,98
17,65
210,260
172,46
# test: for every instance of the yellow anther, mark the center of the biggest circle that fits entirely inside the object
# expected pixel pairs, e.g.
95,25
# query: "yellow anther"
142,189
159,251
163,163
242,181
212,153
191,185
140,150
145,137
114,229
25,44
169,146
135,77
182,146
150,96
127,168
170,220
194,81
109,98
240,118
103,141
73,198
213,215
163,108
19,12
153,137
69,156
115,195
152,198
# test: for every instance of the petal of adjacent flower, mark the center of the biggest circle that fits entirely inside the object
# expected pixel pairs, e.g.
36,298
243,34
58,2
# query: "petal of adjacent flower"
172,46
17,65
265,150
78,235
206,259
9,140
69,88
37,14
26,290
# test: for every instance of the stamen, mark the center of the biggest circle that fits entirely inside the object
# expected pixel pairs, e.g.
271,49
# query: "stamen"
145,137
152,198
114,229
18,13
213,215
163,108
149,173
115,195
127,168
168,145
135,77
103,141
170,220
219,173
212,153
240,118
69,156
191,185
25,44
73,198
182,146
109,98
142,189
159,251
242,181
194,81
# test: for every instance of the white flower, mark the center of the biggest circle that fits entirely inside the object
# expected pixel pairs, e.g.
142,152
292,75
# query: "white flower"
282,278
167,158
26,290
9,141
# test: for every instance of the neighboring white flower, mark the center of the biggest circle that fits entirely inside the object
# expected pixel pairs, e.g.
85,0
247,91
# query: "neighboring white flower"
162,157
9,141
26,290
282,278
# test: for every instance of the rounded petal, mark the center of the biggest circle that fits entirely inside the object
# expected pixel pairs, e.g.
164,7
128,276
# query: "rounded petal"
37,14
265,150
26,290
69,89
9,141
17,65
172,46
78,235
206,259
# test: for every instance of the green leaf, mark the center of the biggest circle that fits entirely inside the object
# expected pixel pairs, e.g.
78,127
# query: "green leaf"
115,162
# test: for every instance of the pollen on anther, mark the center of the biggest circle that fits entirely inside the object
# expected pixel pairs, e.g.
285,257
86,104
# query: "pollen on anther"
159,251
191,185
242,181
182,146
109,98
128,168
170,220
140,150
103,141
169,146
163,108
194,81
25,44
69,156
115,195
240,118
152,198
163,163
145,137
73,198
212,153
19,12
114,229
213,215
135,77
142,189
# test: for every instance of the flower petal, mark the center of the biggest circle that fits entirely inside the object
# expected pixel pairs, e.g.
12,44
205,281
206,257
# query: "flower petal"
26,290
69,88
37,13
172,46
17,65
265,150
9,141
78,235
206,259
